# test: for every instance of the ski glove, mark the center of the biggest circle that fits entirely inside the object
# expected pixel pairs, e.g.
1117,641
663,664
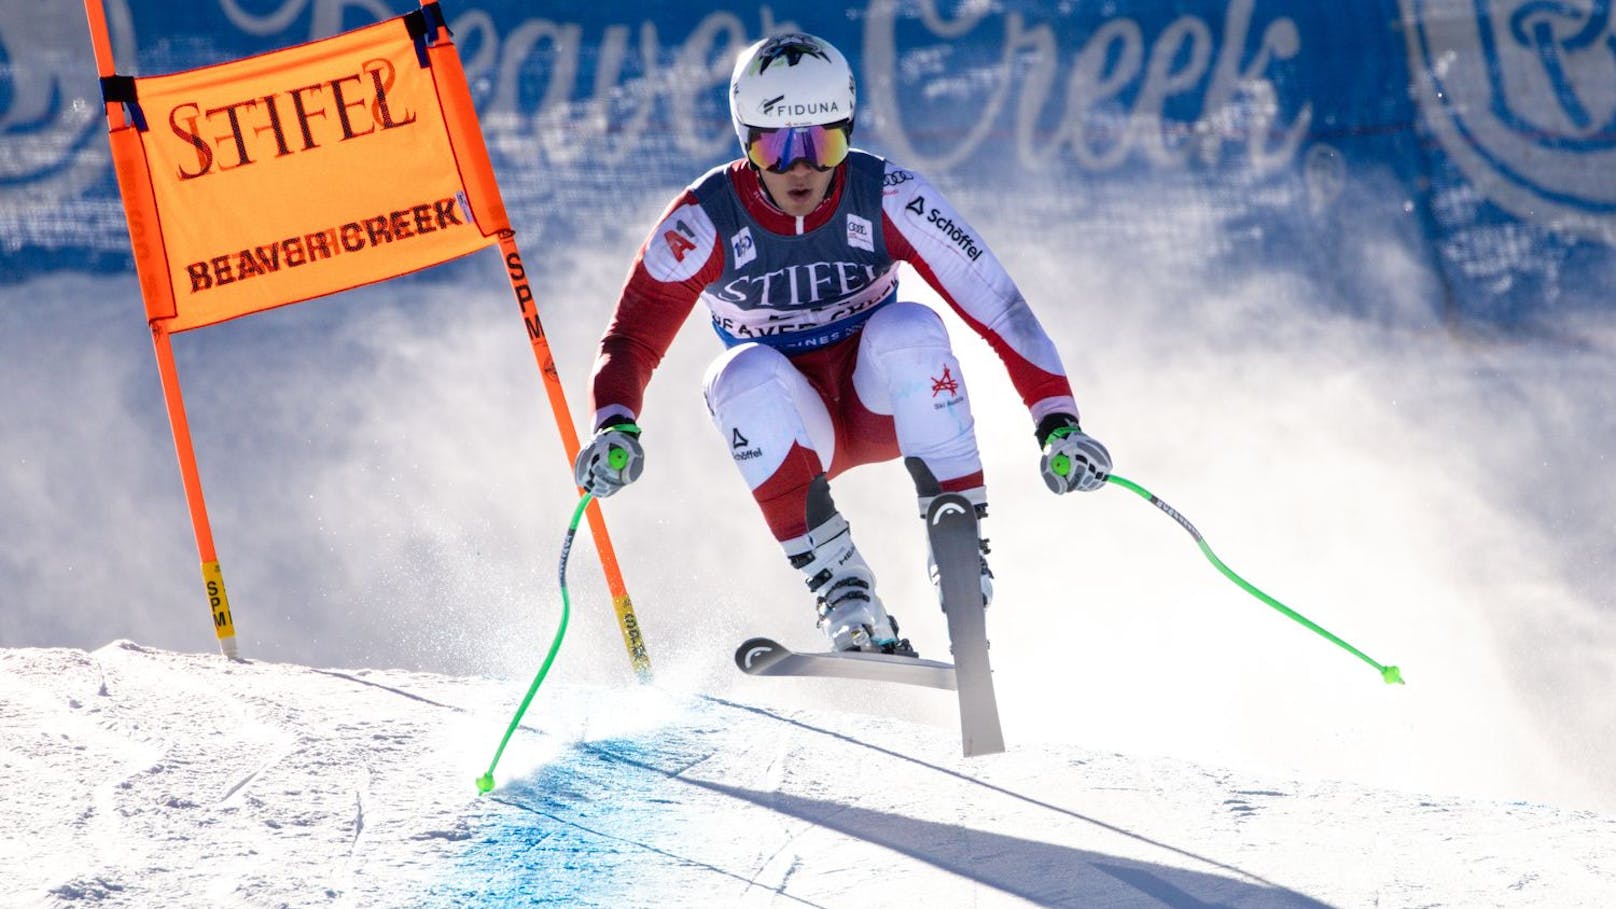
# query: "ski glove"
612,459
1072,458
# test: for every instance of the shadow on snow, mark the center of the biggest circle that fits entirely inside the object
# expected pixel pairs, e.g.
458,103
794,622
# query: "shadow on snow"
628,822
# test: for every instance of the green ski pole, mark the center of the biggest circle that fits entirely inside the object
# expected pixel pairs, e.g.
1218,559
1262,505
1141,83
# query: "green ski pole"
1391,674
485,783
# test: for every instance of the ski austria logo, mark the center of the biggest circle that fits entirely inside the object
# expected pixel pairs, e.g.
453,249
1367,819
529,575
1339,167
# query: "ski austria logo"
51,117
1522,96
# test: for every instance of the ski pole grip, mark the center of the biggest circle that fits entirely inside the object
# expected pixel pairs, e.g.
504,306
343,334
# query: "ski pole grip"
1061,464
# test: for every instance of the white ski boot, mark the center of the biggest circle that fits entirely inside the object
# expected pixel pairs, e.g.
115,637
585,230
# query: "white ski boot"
850,614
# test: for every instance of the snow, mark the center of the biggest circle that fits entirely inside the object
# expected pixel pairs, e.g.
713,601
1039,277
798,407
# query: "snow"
141,777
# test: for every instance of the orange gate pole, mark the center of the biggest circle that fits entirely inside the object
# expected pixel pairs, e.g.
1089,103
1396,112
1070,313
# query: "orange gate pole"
218,602
213,580
621,604
483,188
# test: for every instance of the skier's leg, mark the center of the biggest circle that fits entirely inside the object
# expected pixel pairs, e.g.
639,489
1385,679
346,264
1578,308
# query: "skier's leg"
851,615
780,435
776,428
906,367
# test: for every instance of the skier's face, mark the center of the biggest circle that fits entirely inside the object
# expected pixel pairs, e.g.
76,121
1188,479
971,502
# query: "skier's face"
799,190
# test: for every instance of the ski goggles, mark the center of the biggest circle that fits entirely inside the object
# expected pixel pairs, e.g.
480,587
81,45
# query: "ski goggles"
823,147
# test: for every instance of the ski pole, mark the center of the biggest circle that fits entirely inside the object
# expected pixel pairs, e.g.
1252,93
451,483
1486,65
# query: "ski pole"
1391,674
485,783
627,621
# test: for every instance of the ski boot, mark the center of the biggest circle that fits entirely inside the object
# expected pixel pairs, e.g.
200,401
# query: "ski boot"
850,614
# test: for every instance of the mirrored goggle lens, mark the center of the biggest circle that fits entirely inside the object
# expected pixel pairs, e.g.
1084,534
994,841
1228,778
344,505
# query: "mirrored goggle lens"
823,147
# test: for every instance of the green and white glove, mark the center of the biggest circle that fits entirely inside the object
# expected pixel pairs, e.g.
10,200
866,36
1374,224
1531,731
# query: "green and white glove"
612,459
1072,459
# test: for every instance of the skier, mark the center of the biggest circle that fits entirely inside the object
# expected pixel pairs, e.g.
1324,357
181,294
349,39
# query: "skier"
793,248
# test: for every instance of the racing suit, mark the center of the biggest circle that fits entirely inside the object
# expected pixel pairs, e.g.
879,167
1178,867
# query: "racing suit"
825,367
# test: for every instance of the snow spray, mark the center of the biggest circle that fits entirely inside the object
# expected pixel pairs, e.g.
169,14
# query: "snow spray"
485,783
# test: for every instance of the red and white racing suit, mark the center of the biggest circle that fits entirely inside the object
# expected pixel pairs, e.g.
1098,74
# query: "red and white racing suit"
826,368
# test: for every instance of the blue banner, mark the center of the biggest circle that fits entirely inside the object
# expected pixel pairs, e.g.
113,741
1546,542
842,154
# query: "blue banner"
1474,137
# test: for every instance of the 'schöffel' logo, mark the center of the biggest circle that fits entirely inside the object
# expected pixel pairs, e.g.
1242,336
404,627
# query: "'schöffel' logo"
1522,96
741,448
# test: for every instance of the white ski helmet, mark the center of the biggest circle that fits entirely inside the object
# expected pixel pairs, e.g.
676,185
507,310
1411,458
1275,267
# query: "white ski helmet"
787,81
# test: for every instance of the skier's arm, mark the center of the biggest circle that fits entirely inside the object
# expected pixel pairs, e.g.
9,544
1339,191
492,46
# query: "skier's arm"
922,228
678,259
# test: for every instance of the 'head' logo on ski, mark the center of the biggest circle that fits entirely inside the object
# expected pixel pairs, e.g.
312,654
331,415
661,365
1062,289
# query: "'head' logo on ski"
754,652
1522,95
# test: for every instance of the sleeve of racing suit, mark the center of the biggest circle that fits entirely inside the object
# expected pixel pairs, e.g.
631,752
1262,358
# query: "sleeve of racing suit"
922,228
679,258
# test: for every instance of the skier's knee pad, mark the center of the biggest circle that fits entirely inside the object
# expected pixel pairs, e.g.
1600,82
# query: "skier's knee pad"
905,325
763,406
742,369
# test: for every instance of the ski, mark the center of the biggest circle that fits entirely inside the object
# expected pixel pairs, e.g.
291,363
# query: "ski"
951,526
761,656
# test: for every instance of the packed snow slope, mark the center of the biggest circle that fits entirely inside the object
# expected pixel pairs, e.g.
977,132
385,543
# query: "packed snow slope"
139,777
